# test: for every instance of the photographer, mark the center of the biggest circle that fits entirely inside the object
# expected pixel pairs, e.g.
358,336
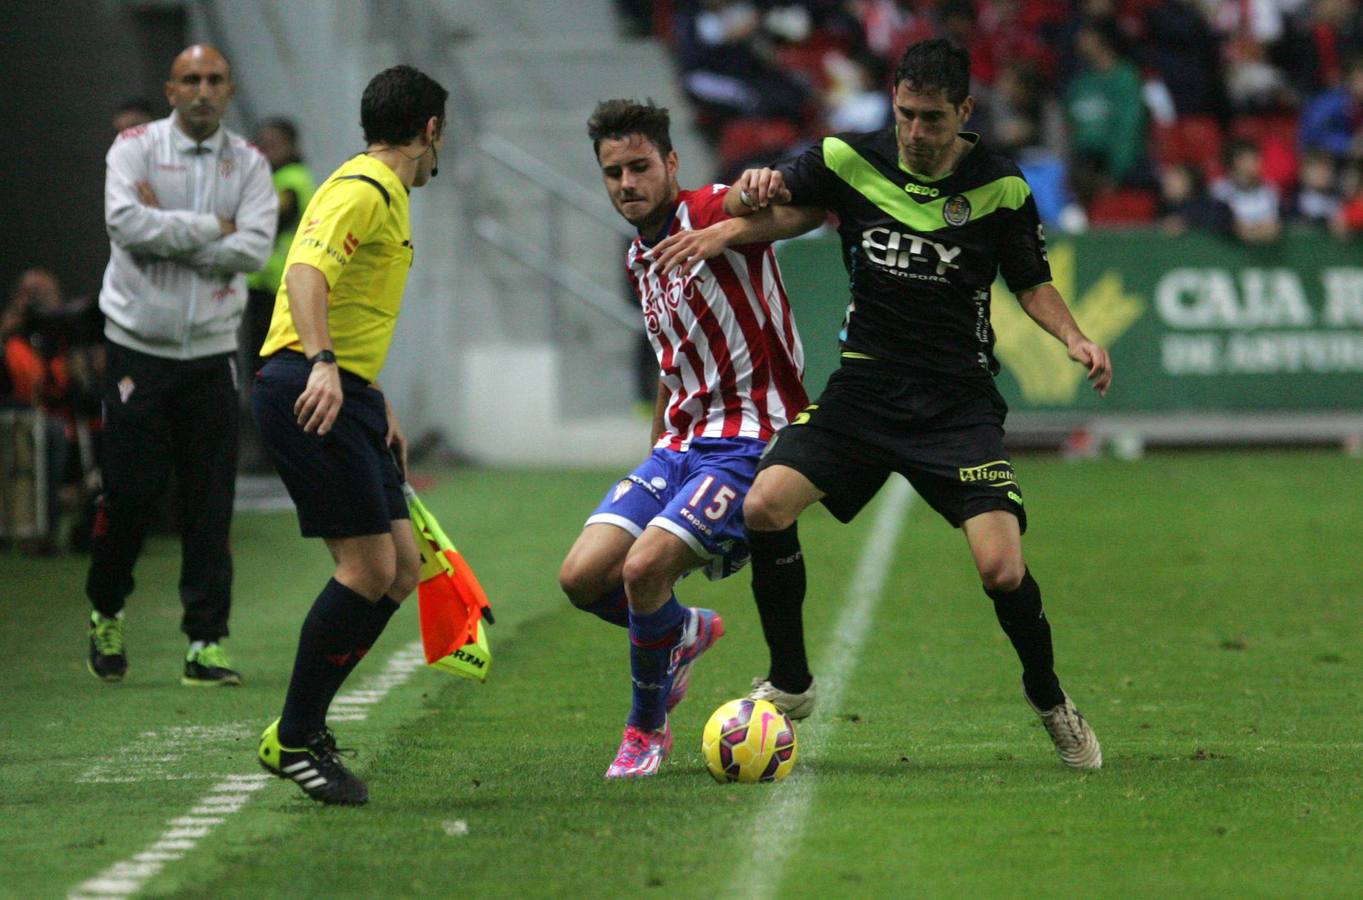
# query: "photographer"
38,330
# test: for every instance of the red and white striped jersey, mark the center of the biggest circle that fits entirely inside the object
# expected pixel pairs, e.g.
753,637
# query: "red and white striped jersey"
725,339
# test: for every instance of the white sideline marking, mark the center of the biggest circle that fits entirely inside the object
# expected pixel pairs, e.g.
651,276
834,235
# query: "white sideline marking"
184,832
127,876
781,821
158,755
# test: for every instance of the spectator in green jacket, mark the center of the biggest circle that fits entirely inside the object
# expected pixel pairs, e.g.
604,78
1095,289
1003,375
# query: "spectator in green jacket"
1106,115
293,181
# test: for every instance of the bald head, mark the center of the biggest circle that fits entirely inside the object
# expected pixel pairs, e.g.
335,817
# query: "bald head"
199,88
196,54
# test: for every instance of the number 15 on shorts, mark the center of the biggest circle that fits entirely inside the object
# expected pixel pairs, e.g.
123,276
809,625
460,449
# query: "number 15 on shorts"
718,506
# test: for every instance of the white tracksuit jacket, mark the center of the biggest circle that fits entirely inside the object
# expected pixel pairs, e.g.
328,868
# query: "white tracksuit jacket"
175,286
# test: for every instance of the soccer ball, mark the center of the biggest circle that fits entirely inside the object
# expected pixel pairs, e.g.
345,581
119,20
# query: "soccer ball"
749,741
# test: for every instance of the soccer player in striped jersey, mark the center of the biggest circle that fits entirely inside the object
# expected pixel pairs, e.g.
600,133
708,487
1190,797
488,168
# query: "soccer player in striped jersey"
730,367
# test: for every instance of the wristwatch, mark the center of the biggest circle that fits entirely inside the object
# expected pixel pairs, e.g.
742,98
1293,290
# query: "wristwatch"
322,356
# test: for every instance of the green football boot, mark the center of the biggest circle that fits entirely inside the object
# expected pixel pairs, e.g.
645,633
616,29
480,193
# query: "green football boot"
108,659
209,667
315,767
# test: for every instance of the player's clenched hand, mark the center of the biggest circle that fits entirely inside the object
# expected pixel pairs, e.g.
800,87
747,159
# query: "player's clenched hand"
395,439
1087,353
762,187
686,248
320,402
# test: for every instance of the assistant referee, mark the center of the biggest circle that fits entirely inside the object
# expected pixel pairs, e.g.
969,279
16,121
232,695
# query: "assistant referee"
329,430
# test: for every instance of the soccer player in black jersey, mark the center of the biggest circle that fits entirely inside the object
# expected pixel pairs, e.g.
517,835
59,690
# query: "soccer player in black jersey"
928,217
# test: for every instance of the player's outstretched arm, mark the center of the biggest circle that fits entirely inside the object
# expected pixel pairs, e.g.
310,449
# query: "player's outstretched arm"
1047,308
320,402
775,223
756,189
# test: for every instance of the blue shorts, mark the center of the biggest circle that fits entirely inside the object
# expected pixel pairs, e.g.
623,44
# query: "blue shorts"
344,484
696,494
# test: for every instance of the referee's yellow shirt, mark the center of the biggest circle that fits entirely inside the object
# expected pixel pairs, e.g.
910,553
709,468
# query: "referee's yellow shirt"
357,231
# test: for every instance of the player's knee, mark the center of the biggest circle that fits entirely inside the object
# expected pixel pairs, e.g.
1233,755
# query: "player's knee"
1002,572
642,572
372,579
578,583
405,579
762,513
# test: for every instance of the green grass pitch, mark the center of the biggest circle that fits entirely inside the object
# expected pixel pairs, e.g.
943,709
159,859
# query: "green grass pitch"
1206,614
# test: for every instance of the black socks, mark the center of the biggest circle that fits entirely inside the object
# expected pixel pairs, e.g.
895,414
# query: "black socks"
1024,621
338,631
778,586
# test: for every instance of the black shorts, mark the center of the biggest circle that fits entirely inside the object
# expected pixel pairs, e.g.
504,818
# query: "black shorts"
944,435
345,484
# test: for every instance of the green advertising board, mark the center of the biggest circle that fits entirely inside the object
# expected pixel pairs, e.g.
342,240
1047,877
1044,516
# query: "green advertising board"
1193,323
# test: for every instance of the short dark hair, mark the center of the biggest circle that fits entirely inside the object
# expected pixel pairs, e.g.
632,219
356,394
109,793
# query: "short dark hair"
621,118
136,105
936,65
397,104
284,126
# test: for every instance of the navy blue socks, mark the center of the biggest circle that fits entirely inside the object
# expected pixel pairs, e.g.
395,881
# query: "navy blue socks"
651,639
336,634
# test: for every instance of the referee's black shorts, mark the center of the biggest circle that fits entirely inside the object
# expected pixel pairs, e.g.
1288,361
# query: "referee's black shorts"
944,435
345,483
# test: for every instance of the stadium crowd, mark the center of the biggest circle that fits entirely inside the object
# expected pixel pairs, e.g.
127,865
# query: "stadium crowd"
1231,116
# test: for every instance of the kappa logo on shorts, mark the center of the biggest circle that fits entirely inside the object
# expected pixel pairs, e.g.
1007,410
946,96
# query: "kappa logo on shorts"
803,417
995,474
696,523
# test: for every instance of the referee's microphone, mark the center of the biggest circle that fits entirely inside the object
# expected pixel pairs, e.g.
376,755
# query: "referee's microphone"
435,164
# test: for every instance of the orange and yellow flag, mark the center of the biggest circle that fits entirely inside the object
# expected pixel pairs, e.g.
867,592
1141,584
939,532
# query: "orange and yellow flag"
452,603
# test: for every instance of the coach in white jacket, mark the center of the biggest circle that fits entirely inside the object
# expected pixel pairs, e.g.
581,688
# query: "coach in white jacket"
190,208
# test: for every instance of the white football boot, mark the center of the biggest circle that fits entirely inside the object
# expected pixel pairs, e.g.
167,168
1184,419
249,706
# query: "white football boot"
1073,737
797,706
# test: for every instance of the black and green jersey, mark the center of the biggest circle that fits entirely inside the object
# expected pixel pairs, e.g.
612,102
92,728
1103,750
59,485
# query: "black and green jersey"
922,254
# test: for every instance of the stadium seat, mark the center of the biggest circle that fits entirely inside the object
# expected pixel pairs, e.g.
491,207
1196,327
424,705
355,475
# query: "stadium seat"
746,139
1123,206
1276,136
807,58
1195,140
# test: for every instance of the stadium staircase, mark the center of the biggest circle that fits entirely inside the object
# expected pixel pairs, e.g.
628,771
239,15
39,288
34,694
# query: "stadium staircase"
519,342
551,246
